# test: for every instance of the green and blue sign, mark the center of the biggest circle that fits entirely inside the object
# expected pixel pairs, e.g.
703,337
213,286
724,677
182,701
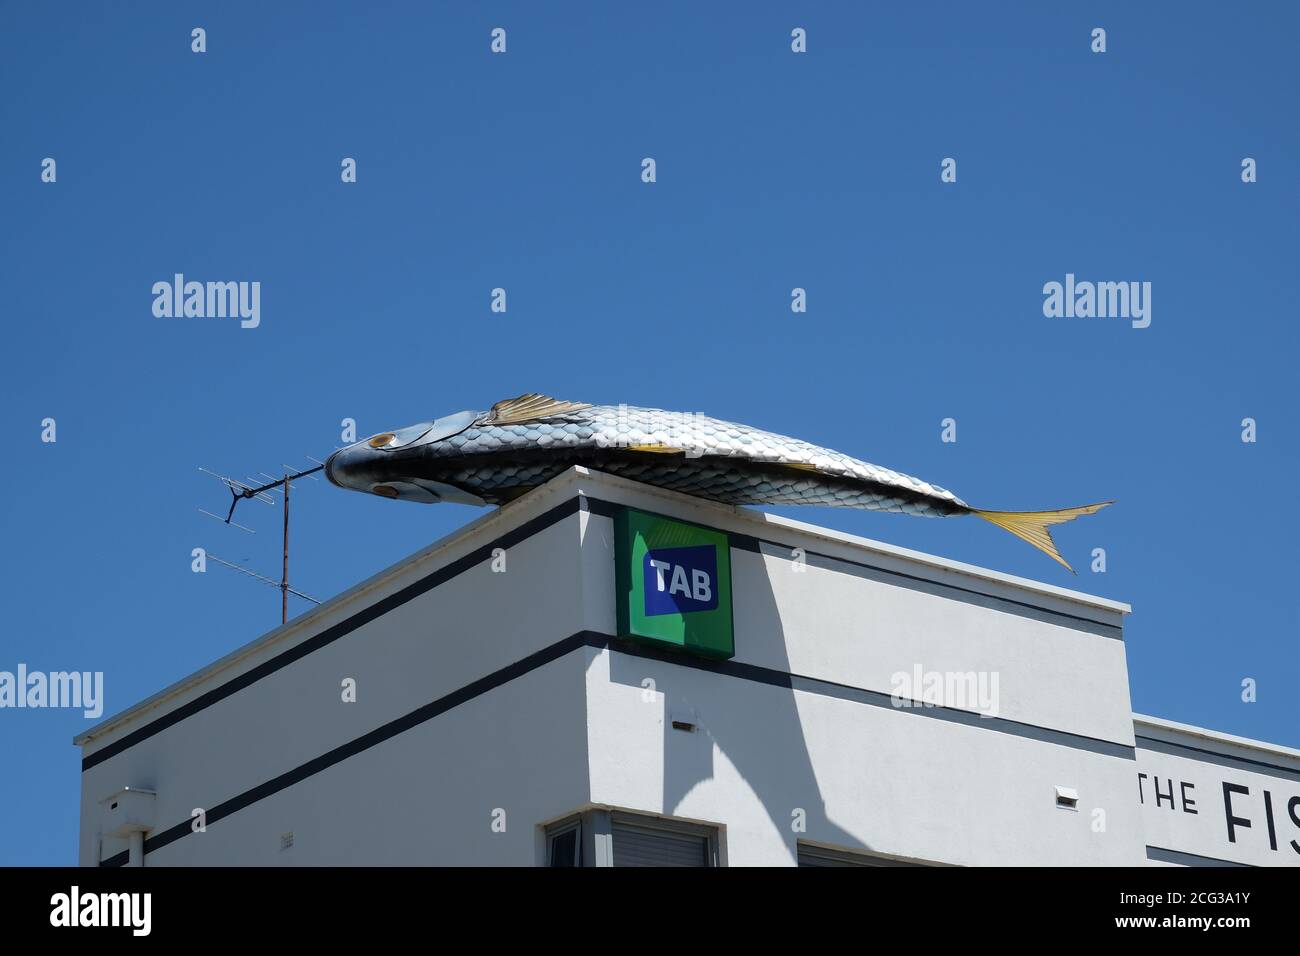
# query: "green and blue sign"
674,583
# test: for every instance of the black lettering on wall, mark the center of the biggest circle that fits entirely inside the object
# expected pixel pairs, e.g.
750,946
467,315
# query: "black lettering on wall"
1228,790
1268,815
1189,805
1164,796
1291,808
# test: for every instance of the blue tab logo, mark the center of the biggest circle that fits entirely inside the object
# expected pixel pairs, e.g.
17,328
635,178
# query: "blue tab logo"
672,583
680,580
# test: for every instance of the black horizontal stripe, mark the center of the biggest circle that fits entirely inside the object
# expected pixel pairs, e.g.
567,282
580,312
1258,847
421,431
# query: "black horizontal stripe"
875,698
943,588
377,736
509,539
1211,756
1163,855
592,639
332,634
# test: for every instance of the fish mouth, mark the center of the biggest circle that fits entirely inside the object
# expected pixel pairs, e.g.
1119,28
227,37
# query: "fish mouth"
370,465
329,469
360,468
354,467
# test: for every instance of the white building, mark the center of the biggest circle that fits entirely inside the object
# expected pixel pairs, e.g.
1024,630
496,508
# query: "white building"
474,704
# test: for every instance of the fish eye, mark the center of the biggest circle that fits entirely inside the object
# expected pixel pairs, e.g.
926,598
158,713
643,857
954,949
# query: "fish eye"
385,491
391,441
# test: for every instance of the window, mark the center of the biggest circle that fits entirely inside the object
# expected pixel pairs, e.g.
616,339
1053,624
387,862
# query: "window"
605,838
649,841
810,855
564,843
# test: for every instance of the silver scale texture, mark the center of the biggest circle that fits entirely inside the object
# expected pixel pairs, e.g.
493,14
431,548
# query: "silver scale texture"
723,461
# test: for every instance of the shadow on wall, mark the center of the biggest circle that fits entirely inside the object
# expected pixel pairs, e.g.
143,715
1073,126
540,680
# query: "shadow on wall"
755,726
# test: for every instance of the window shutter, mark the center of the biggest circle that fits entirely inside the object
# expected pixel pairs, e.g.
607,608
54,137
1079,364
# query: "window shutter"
651,846
820,856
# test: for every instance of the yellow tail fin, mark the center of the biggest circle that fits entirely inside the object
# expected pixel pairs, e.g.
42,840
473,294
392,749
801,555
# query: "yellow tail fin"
1032,526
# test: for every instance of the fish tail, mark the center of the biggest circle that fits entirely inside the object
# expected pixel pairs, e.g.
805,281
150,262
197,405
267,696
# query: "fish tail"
1032,526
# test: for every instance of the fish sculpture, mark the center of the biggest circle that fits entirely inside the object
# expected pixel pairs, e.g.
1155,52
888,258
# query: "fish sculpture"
493,457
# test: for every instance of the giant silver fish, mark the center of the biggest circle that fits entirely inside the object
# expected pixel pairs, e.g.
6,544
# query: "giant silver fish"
492,457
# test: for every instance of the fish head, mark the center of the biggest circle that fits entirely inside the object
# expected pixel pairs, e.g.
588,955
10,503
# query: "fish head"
387,464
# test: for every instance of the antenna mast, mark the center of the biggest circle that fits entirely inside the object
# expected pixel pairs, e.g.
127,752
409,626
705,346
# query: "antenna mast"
284,574
238,492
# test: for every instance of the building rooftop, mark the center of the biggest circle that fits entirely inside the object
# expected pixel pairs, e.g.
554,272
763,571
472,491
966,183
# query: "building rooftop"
1159,729
582,483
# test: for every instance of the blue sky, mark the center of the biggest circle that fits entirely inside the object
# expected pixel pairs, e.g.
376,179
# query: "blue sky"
522,171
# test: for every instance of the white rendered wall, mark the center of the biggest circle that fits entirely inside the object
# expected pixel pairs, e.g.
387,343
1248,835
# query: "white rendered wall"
519,747
821,756
866,776
1190,767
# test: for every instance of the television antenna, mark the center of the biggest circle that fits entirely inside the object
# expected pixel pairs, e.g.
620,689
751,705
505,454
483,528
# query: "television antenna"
264,488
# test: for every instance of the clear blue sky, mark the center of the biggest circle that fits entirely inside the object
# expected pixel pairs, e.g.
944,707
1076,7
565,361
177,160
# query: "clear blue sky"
522,171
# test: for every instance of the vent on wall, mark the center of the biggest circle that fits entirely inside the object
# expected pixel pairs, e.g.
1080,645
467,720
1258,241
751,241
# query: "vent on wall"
1067,798
683,718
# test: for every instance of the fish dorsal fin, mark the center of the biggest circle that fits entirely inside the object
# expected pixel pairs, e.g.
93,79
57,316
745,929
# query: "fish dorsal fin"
530,408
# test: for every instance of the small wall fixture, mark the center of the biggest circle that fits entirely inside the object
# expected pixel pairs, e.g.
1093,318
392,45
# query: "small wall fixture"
683,717
128,814
1067,798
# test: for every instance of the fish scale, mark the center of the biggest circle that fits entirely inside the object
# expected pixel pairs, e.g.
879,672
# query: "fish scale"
493,457
615,429
715,483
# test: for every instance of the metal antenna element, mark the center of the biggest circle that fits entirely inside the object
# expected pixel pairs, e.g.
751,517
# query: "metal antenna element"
261,577
240,490
233,524
251,488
